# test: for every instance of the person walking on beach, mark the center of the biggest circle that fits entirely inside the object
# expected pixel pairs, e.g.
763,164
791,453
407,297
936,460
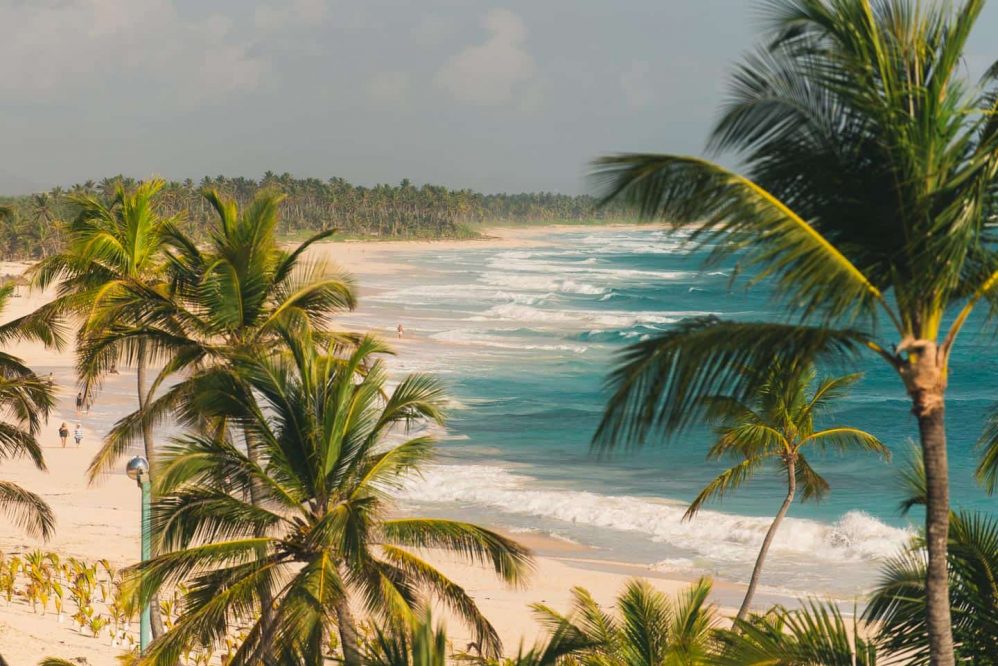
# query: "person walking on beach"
400,330
63,433
78,434
79,402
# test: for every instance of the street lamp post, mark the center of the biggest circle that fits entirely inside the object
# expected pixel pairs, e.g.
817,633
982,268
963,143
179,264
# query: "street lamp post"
138,470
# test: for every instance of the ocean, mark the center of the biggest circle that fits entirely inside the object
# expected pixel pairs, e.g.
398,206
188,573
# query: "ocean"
523,339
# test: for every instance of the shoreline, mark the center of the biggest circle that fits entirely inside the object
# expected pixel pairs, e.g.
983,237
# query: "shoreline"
102,521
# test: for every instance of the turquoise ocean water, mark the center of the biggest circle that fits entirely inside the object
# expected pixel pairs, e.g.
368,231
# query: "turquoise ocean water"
523,339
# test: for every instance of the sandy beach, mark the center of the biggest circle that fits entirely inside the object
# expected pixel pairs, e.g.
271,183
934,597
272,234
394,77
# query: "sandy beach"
102,521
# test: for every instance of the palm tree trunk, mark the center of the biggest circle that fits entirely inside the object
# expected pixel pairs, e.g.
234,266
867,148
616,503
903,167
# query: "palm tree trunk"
932,430
266,598
156,620
925,379
349,637
770,533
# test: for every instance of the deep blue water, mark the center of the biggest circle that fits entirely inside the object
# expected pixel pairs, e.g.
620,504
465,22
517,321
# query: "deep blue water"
524,338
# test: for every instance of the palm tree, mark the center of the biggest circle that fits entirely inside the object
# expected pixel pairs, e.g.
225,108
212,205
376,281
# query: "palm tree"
25,402
235,297
326,472
777,426
115,248
815,633
650,630
871,172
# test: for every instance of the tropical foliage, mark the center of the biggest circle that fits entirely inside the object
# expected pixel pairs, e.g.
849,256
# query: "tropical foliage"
25,402
871,166
775,428
318,535
650,629
29,226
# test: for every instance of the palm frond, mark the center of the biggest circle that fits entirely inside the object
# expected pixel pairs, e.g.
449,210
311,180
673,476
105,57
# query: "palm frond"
510,561
660,384
734,214
27,510
987,469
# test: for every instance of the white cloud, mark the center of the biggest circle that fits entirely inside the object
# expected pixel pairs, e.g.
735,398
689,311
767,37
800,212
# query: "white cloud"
634,81
56,47
490,73
388,87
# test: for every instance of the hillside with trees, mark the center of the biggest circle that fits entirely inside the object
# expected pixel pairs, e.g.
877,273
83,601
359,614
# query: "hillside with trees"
31,226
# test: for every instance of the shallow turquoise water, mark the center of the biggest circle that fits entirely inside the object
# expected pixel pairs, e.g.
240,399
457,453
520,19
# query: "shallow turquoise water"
524,338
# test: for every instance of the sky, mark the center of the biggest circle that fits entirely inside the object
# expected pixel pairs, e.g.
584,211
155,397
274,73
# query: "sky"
494,96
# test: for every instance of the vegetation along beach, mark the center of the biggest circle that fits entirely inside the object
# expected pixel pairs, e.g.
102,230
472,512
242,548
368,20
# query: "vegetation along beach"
723,399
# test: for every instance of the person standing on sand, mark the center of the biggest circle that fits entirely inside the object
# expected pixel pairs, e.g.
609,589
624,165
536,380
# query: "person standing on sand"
78,434
79,402
400,330
63,433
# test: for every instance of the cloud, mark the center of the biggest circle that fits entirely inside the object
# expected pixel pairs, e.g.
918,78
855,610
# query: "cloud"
54,48
388,87
638,89
490,73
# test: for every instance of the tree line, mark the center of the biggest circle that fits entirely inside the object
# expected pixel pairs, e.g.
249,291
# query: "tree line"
31,225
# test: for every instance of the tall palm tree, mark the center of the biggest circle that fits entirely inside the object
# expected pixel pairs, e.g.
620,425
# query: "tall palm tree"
870,174
776,427
650,629
115,248
235,297
326,472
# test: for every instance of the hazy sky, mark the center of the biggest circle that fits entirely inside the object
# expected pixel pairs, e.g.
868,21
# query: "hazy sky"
497,96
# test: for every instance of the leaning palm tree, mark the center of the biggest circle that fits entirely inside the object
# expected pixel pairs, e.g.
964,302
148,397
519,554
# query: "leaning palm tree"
775,428
871,168
650,629
318,536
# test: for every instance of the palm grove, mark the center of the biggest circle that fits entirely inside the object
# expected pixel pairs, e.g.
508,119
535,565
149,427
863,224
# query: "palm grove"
29,228
868,203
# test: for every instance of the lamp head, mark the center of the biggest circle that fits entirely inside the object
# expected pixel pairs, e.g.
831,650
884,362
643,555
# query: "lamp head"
137,469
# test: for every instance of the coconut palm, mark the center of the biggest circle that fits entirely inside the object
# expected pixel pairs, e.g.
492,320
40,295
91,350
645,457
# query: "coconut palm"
775,428
232,298
871,169
814,634
25,402
650,629
326,471
115,248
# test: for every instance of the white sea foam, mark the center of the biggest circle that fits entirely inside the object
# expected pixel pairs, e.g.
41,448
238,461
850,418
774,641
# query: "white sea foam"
485,339
581,319
720,537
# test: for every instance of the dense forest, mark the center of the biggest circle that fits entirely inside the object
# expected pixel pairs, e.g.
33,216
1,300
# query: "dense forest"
30,226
